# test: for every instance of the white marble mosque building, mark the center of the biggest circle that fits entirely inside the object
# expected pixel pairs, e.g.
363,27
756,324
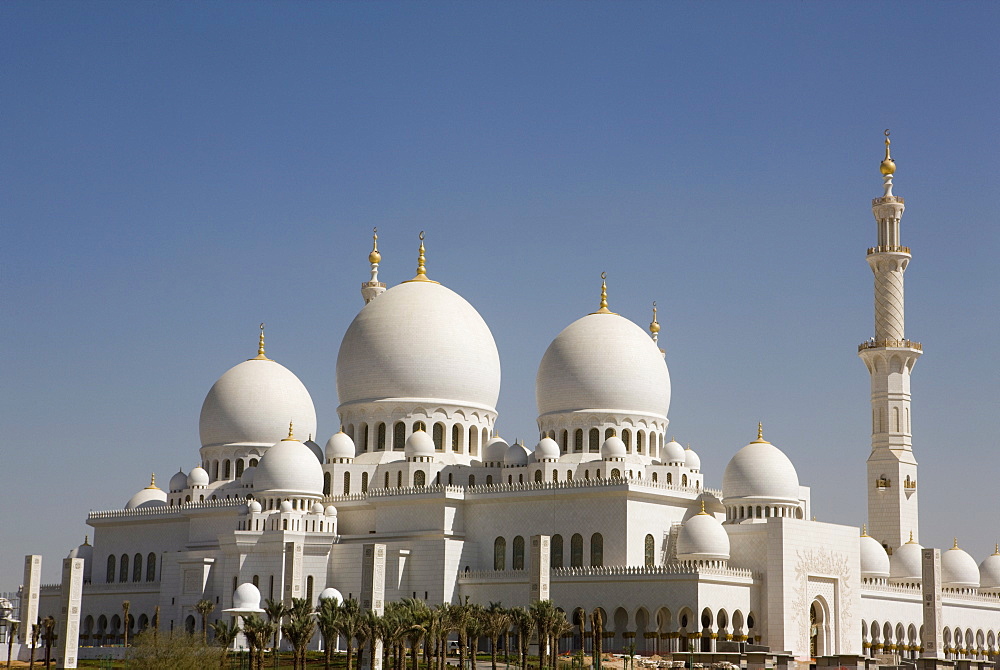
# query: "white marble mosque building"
603,512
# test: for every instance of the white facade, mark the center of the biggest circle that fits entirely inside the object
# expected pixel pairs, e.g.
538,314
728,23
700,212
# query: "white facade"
630,525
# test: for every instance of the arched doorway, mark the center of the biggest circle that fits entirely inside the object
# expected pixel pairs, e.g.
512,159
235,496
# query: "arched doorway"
819,629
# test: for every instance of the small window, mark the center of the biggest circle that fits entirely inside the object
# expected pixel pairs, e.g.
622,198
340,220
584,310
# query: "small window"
123,569
539,475
111,570
639,440
576,551
499,553
489,480
347,483
419,478
649,551
578,440
326,483
227,468
595,440
380,438
556,557
616,473
364,482
239,468
472,480
518,553
386,480
456,437
596,550
151,567
439,436
399,479
137,568
398,436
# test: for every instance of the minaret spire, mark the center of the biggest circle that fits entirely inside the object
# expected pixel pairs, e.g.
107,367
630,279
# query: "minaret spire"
604,296
372,288
421,263
261,356
890,357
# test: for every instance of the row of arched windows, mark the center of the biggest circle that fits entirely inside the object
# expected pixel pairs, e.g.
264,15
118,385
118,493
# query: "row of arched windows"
375,437
591,441
762,512
228,469
556,557
137,571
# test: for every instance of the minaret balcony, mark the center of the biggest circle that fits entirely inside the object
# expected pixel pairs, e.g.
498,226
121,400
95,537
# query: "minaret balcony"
890,344
888,249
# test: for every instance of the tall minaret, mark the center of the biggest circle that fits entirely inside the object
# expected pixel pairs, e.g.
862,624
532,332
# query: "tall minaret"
890,357
372,288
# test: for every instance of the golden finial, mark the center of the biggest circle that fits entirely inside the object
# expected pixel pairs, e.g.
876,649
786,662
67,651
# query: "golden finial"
760,434
86,539
421,263
702,508
604,296
888,166
911,538
955,546
260,347
374,256
654,326
291,435
996,550
864,530
152,481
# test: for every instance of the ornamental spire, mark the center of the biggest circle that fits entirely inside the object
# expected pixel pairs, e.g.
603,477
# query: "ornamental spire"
654,325
291,433
372,288
604,296
152,481
887,167
261,356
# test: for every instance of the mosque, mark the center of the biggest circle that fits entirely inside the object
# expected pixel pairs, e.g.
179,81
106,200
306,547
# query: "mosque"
417,496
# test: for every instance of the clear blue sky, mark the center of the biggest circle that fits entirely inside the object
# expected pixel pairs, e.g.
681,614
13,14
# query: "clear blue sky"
174,173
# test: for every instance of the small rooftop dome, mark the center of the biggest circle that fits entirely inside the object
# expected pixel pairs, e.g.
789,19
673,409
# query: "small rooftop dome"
495,450
151,496
546,450
331,593
178,482
340,445
673,454
691,460
197,477
516,455
249,475
247,598
874,559
289,468
254,507
958,569
760,471
613,449
905,563
702,537
989,571
317,508
330,510
419,445
286,506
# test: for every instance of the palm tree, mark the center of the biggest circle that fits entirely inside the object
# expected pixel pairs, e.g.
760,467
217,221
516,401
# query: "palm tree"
560,627
496,624
326,620
11,634
372,630
36,630
597,626
418,616
521,620
459,619
299,630
275,611
257,632
476,629
350,625
225,634
204,608
48,637
126,605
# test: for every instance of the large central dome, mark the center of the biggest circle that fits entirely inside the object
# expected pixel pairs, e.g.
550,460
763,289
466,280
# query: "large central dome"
419,341
603,362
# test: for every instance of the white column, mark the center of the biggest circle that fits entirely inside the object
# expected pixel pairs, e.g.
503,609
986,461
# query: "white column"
69,620
29,596
373,596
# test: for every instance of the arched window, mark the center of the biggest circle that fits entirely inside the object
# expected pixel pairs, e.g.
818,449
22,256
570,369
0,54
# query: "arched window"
556,557
364,482
111,570
137,568
398,436
151,567
399,479
499,553
489,480
253,464
608,433
684,480
456,438
576,551
649,551
517,562
439,436
347,483
670,478
419,425
123,568
239,468
215,470
655,478
616,473
555,475
226,468
473,441
569,475
486,437
326,483
419,478
386,480
538,476
586,474
595,440
564,443
256,581
627,438
596,550
578,440
309,589
449,478
380,437
472,480
364,437
638,441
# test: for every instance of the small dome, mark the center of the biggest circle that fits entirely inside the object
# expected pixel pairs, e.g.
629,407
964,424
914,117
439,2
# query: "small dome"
86,552
249,475
331,510
673,454
289,468
905,563
331,593
419,444
340,445
495,450
197,477
613,448
151,496
702,537
761,471
252,403
247,597
989,571
874,559
178,482
958,569
254,507
286,506
691,460
317,508
547,449
516,455
316,449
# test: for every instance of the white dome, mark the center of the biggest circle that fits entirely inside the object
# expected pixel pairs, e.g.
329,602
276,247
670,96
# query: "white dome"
330,510
547,449
613,448
874,559
254,507
247,597
151,496
340,445
603,362
86,552
989,571
516,455
331,593
692,461
249,475
286,506
905,563
761,471
317,508
197,477
496,450
958,569
252,403
316,449
419,444
178,482
419,340
673,454
702,537
289,468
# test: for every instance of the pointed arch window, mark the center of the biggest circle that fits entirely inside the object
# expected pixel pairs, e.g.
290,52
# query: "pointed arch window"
578,440
123,568
456,437
326,483
517,562
649,551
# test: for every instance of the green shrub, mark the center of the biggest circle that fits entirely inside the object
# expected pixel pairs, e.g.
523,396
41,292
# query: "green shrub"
151,651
